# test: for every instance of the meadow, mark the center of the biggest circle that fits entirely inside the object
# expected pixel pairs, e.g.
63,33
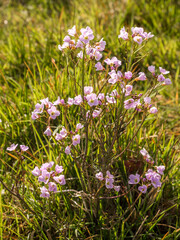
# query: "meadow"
102,146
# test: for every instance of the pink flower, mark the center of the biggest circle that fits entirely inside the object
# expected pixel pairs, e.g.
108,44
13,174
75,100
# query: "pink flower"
110,99
60,179
147,100
46,166
67,150
153,177
167,81
39,108
72,31
148,35
117,188
109,180
36,172
109,175
12,147
114,93
44,192
59,169
96,113
99,176
63,132
80,55
49,164
145,154
149,174
129,89
155,181
161,78
92,99
115,76
34,116
109,183
97,55
76,139
60,47
163,71
78,100
70,101
89,50
142,188
160,169
113,79
44,177
142,76
67,44
24,148
62,102
113,61
123,34
151,69
48,131
137,30
119,76
88,90
57,102
116,62
79,126
112,73
153,110
67,39
58,137
61,135
130,103
46,102
134,179
98,66
53,112
128,75
79,44
138,39
100,46
52,187
86,35
101,96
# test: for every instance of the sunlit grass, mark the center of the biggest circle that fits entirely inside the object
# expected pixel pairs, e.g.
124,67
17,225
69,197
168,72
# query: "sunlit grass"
29,35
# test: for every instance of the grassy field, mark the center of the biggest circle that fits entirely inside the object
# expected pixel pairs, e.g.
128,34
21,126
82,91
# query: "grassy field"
30,32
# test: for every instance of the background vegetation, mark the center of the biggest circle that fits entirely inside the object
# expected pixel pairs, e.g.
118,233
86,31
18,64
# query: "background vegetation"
29,34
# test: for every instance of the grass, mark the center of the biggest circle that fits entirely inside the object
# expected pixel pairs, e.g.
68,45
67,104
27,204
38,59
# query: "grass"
29,34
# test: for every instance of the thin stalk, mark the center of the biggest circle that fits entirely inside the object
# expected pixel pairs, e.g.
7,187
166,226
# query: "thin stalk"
128,143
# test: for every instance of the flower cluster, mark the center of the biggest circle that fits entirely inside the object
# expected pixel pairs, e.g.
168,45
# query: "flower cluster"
135,103
138,34
125,79
82,41
151,178
119,91
48,107
14,146
49,177
71,137
109,180
160,78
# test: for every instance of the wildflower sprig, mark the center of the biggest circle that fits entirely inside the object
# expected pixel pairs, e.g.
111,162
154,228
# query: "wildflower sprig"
49,177
105,112
137,34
